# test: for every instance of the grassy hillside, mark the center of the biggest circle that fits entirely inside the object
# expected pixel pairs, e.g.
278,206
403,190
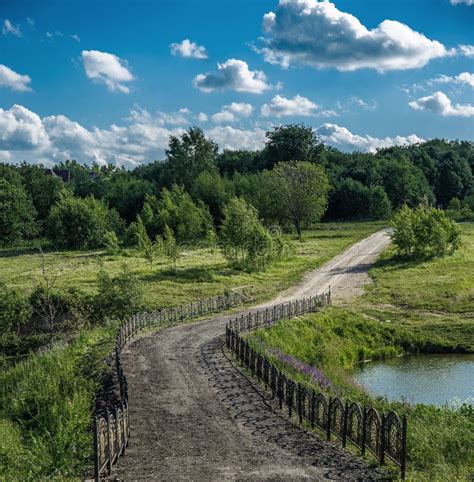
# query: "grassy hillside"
423,306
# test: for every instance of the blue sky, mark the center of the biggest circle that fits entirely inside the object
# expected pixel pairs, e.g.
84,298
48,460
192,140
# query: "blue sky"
109,81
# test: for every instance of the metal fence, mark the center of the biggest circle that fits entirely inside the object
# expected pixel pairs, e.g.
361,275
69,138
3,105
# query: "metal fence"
112,427
384,435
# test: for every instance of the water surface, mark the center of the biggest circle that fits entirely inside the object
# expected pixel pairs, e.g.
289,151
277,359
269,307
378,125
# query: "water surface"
429,379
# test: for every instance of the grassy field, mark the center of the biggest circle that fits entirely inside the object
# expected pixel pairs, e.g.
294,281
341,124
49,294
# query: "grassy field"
422,306
200,272
46,400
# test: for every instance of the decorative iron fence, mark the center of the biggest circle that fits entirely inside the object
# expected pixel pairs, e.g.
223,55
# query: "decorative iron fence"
384,435
112,427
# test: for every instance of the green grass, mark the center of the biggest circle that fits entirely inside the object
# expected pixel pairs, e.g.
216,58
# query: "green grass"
426,306
46,408
200,272
46,400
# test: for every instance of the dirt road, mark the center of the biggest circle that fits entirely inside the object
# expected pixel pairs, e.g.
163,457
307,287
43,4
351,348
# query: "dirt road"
195,416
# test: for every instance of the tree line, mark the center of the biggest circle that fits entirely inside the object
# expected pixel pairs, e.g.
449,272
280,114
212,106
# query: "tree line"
197,192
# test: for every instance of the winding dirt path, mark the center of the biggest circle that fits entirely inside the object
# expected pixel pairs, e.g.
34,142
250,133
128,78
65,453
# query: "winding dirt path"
195,416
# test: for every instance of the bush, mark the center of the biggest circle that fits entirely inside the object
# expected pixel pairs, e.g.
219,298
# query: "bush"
247,243
81,223
189,220
17,214
14,310
424,231
119,296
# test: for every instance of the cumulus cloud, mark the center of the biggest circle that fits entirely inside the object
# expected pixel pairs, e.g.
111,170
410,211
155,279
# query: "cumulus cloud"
318,34
463,78
9,28
189,50
280,106
107,69
9,78
233,112
142,137
202,117
458,2
344,139
466,50
233,75
441,104
228,137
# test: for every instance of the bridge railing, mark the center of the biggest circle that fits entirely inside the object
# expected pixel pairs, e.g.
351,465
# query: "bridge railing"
112,425
382,434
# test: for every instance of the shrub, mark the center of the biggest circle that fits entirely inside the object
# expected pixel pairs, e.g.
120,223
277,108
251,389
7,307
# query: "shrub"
424,231
14,309
119,296
247,243
81,223
189,220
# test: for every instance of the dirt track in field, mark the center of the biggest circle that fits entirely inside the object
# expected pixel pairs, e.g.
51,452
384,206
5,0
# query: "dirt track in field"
195,416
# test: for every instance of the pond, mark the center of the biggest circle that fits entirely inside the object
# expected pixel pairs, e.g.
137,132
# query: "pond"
428,379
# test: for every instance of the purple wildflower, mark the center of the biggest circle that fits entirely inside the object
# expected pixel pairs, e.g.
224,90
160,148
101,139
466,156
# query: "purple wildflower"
315,375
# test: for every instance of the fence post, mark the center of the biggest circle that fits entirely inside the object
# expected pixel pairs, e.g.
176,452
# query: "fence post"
313,396
364,431
96,452
300,416
403,461
109,446
328,431
382,440
344,426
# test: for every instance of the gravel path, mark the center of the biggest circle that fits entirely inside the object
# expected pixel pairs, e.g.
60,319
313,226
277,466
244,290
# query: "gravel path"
195,416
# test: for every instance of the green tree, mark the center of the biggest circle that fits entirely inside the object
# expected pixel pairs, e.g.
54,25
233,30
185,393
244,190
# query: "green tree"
189,220
246,242
188,156
301,190
80,223
292,142
214,191
17,214
170,246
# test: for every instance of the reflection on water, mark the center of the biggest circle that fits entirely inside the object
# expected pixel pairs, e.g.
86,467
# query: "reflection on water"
429,379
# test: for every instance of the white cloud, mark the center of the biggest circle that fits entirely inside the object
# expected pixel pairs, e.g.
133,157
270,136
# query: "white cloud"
202,117
228,137
345,140
441,104
233,112
233,75
356,102
21,129
107,69
141,138
463,78
280,106
9,78
189,50
466,2
9,28
76,37
30,21
466,50
318,34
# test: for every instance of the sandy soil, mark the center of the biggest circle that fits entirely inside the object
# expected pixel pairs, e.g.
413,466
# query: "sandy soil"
196,416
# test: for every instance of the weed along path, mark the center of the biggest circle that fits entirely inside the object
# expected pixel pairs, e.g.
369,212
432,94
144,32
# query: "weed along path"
195,416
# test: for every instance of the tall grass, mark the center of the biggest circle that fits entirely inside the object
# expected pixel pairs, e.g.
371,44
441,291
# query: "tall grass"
46,404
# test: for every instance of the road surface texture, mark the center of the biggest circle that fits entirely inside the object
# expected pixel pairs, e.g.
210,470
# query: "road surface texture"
196,416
